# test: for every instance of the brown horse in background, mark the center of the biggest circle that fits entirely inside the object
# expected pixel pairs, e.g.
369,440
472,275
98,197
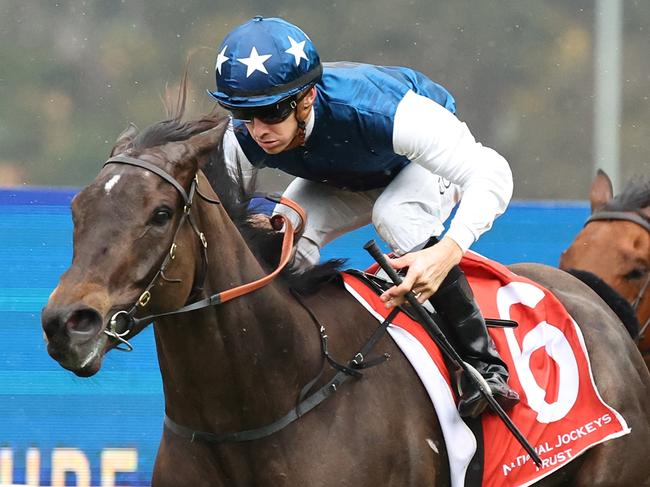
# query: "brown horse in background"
614,245
242,364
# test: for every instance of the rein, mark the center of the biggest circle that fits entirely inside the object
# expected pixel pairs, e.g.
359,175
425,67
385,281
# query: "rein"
640,219
128,320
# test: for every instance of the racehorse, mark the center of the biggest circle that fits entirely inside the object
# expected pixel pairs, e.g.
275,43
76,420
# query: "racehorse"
161,226
614,245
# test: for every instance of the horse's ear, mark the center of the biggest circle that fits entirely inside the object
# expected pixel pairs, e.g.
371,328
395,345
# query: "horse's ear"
207,141
125,139
601,190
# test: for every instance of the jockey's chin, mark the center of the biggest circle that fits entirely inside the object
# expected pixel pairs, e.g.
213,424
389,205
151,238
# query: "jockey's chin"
274,138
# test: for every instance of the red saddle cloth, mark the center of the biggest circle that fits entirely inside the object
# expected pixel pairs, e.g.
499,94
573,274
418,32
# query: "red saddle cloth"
561,412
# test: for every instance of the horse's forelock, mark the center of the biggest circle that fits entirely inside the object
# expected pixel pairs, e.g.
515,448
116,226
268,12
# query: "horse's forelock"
174,130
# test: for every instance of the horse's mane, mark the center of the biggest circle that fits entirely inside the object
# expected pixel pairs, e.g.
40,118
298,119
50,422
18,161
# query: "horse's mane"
234,194
635,197
614,300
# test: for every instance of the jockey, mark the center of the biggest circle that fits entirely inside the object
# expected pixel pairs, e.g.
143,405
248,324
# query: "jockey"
370,144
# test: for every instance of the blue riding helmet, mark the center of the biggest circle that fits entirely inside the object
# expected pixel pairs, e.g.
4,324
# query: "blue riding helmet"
264,61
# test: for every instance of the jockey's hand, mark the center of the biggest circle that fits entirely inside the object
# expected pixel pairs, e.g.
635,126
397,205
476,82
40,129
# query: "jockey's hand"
260,220
427,268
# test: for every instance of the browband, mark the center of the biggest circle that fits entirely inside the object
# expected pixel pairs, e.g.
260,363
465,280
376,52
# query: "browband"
122,159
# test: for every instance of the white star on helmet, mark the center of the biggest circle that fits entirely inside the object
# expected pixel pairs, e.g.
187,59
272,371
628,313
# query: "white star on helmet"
297,50
221,58
255,62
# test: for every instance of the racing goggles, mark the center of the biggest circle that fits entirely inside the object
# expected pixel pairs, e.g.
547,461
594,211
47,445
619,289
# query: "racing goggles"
270,114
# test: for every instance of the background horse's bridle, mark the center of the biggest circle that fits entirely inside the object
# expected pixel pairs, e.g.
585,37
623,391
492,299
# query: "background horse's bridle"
127,321
641,220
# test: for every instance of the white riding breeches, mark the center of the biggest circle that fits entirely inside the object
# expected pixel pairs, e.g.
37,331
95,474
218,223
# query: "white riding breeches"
406,213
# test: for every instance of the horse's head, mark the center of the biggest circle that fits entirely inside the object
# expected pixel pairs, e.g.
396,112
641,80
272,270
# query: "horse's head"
126,222
615,244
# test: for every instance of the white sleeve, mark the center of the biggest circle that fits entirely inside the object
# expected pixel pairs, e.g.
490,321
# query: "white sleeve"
235,158
430,135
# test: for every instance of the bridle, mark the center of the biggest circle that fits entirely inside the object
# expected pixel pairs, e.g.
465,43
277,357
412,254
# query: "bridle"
127,321
641,220
308,398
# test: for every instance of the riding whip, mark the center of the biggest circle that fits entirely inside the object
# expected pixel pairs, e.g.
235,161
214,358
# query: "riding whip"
448,350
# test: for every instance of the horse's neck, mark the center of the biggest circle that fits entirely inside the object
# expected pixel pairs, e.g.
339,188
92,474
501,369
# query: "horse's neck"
242,363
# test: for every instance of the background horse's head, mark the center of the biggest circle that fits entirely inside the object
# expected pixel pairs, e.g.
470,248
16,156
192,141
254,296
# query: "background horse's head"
615,244
125,222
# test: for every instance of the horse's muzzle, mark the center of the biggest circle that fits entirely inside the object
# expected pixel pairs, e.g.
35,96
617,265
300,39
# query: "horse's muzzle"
75,325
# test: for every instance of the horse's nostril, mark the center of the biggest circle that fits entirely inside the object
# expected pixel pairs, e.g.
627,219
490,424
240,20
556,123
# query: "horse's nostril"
51,325
84,322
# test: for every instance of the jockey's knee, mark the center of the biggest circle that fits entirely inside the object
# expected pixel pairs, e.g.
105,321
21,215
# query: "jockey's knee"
306,255
402,231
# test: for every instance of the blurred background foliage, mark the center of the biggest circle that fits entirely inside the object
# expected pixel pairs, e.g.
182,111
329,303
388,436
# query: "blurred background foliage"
73,73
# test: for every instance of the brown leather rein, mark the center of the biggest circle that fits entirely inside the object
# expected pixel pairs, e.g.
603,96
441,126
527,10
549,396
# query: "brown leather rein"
123,322
644,222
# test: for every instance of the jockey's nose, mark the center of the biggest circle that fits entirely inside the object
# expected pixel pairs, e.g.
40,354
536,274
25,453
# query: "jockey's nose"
258,127
80,324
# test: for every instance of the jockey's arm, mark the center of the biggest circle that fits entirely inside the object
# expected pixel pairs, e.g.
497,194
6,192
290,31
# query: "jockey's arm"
429,135
238,165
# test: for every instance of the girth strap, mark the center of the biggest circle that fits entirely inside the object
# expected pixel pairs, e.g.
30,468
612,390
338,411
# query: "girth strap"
302,408
255,434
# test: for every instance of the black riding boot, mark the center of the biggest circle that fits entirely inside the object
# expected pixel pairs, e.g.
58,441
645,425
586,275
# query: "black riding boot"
454,302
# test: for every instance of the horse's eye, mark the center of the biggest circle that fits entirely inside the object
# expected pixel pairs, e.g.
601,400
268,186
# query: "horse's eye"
161,216
634,274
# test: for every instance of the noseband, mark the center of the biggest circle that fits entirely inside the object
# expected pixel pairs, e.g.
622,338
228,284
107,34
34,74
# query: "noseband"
641,220
127,320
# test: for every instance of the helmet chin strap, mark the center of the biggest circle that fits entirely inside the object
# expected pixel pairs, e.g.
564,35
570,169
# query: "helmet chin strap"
300,136
301,132
299,139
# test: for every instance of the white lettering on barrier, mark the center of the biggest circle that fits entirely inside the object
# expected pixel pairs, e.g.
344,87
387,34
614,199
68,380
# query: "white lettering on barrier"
69,460
117,460
552,340
32,466
6,466
33,462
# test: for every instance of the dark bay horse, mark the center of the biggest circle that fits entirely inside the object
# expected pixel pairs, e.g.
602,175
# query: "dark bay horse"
614,245
241,364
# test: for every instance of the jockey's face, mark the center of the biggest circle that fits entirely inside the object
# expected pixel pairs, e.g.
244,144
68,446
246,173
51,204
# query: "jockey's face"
274,138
